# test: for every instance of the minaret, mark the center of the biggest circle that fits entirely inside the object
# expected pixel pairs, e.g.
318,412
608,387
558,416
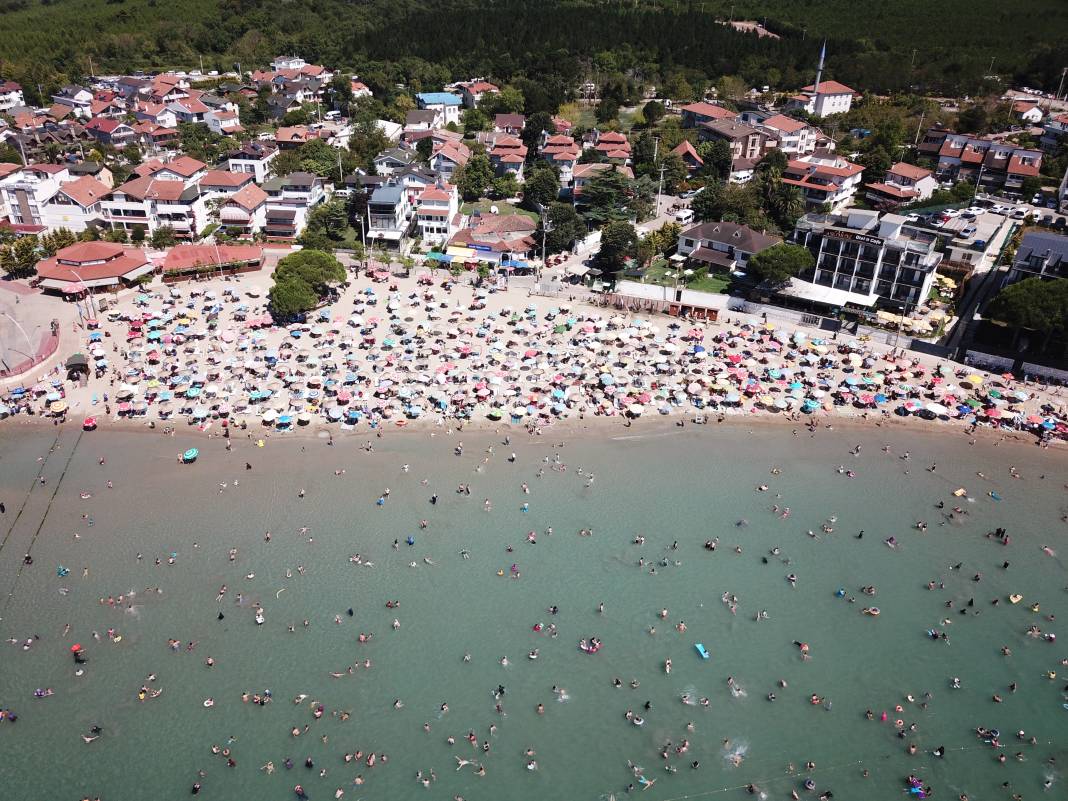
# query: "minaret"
819,69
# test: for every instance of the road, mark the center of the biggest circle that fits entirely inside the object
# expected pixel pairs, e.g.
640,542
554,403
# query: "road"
986,281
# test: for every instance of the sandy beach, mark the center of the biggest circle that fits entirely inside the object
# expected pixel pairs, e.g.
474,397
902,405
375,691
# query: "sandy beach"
424,351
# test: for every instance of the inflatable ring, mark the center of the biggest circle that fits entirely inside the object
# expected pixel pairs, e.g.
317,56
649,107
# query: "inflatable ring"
899,723
209,702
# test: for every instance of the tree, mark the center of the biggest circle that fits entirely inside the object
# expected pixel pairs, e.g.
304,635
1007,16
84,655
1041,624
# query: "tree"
542,187
56,241
1032,304
618,243
706,203
537,123
717,158
425,148
605,197
675,172
119,235
475,120
301,279
730,87
653,111
779,263
332,218
290,297
475,177
366,142
876,161
20,258
506,186
607,110
137,235
565,227
163,237
509,100
973,119
340,90
317,157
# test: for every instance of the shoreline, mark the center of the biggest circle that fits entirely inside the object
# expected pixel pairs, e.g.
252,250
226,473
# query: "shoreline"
581,427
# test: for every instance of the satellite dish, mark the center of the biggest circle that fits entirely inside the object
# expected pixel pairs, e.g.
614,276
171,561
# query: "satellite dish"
494,210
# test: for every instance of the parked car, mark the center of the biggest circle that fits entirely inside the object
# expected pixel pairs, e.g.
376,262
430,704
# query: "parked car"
968,230
1019,213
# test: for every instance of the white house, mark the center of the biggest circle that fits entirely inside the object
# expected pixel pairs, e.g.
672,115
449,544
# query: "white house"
76,204
26,191
446,103
254,158
360,89
449,157
823,178
824,99
10,96
223,122
438,213
290,198
77,98
1027,110
244,213
904,183
795,138
389,213
150,202
474,91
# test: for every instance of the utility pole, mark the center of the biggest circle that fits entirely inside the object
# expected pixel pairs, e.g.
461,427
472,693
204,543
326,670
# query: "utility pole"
1059,87
659,188
990,71
545,229
912,63
656,148
340,172
91,75
202,65
919,127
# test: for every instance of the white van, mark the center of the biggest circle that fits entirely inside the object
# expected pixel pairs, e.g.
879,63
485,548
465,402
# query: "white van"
684,216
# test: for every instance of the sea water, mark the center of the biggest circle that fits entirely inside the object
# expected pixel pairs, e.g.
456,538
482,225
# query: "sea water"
670,485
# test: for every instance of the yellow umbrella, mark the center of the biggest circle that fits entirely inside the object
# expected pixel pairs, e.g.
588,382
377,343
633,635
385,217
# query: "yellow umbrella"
974,379
58,406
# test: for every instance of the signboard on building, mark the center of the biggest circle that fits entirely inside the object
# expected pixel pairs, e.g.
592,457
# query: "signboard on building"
852,236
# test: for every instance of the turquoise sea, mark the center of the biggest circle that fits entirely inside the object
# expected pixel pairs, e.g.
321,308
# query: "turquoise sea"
669,485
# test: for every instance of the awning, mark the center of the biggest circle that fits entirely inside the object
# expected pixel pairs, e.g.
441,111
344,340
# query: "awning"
77,360
461,253
577,269
826,294
714,257
442,257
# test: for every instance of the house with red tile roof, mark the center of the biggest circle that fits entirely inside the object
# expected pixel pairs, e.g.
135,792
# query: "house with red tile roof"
244,213
473,92
290,137
508,156
223,183
155,200
26,190
903,183
793,137
10,96
186,169
824,177
223,122
1027,110
93,265
689,156
496,237
158,113
76,205
829,97
562,152
156,136
449,156
613,146
696,113
584,173
110,131
184,261
437,215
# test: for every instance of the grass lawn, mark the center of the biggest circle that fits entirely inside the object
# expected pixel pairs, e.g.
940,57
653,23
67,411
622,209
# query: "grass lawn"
504,209
716,283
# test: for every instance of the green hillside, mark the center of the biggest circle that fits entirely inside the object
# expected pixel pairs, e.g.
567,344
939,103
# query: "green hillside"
886,46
